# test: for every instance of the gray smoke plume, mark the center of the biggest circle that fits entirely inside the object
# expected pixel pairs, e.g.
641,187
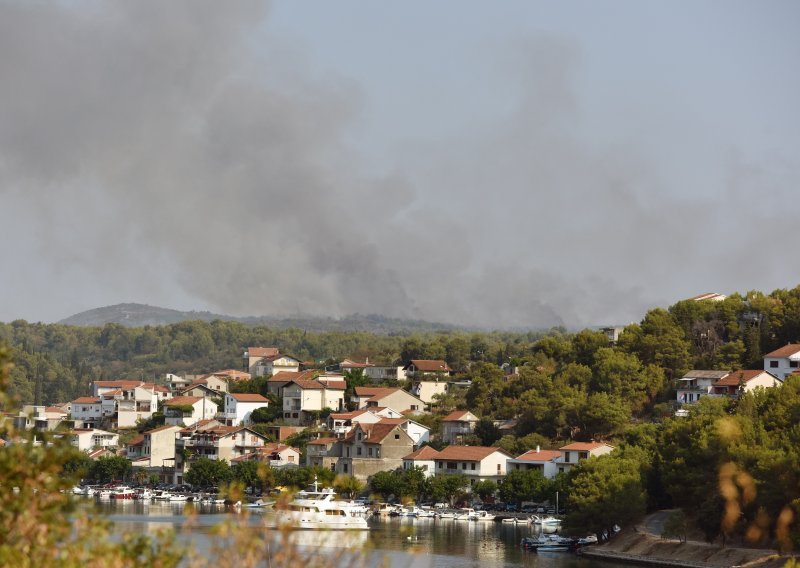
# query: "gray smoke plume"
150,151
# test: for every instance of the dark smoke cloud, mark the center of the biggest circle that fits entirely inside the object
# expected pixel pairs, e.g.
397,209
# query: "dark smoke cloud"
148,149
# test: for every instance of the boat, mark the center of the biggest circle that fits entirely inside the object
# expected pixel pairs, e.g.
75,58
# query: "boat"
483,516
445,514
425,513
144,495
259,504
177,497
123,493
545,521
465,515
318,509
549,543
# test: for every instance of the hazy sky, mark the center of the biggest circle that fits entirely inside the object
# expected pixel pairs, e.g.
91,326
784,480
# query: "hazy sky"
486,163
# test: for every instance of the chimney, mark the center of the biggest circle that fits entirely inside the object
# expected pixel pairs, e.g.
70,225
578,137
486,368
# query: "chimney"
537,449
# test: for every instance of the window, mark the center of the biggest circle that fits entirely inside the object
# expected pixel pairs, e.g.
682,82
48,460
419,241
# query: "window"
291,459
773,364
583,455
452,465
439,465
463,465
793,363
369,452
397,436
344,467
566,457
472,466
414,407
499,471
358,451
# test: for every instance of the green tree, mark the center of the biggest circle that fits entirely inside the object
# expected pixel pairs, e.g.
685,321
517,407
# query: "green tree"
446,488
485,489
487,432
524,485
348,485
208,472
386,484
110,468
604,491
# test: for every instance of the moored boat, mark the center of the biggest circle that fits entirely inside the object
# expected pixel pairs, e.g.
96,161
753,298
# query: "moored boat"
318,509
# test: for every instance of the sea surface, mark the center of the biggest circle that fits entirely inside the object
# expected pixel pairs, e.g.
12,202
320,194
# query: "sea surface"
391,541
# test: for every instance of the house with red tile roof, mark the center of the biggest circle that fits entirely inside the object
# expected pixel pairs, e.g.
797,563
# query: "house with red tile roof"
188,410
745,381
477,463
457,425
370,448
423,458
421,367
87,439
303,399
571,454
323,452
215,442
240,406
396,398
544,461
274,454
784,361
260,361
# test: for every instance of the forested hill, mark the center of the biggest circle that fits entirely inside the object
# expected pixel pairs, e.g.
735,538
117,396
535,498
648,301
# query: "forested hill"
139,315
56,362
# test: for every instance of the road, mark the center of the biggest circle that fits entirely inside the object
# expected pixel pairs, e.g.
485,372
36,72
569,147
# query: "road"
654,524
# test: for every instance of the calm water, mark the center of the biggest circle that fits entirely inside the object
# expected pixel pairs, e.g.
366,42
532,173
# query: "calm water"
405,542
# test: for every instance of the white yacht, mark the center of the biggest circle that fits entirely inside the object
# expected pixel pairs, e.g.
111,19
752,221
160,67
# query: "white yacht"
318,509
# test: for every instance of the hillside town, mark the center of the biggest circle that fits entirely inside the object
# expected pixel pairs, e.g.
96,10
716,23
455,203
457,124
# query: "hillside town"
379,426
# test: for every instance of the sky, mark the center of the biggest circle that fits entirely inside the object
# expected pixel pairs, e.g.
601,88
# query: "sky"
496,164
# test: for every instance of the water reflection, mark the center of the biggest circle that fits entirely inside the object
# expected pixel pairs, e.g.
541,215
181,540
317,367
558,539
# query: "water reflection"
398,542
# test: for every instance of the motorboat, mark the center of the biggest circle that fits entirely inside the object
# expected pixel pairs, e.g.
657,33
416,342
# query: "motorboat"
549,543
178,497
123,493
425,513
483,516
465,515
319,509
445,514
545,521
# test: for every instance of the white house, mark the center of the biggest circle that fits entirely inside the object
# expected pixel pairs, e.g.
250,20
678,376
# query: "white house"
188,410
86,411
545,461
423,458
215,442
457,425
697,383
478,463
302,397
385,373
260,361
239,407
274,454
745,380
86,439
784,361
426,390
397,398
571,454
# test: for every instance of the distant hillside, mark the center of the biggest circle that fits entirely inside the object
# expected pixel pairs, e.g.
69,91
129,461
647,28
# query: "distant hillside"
139,315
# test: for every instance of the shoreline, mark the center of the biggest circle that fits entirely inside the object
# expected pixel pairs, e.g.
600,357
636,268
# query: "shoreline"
646,550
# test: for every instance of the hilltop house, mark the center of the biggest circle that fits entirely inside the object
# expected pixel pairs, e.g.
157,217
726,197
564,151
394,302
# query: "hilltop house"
154,451
274,454
744,381
784,361
385,373
457,425
423,458
86,439
427,367
86,411
426,390
39,417
260,361
323,452
698,383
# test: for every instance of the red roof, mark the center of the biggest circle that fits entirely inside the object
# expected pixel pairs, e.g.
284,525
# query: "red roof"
87,400
247,397
431,365
375,433
469,453
159,429
323,441
424,453
736,377
539,455
785,351
118,384
137,441
180,400
583,446
262,351
308,385
55,409
334,385
459,416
